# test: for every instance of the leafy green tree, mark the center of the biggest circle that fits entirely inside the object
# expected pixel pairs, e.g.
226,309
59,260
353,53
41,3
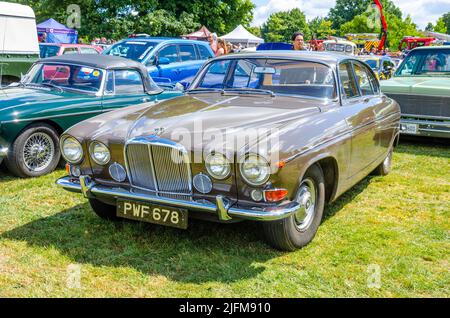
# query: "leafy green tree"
255,31
398,28
429,27
119,18
280,26
443,24
345,10
321,28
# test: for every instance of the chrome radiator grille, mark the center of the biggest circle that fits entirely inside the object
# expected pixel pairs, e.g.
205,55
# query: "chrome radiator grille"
423,105
159,168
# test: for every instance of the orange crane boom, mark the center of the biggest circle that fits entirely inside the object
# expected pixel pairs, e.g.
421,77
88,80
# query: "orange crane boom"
384,25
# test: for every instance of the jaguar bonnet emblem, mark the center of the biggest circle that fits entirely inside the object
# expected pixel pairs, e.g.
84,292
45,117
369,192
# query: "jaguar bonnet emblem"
158,131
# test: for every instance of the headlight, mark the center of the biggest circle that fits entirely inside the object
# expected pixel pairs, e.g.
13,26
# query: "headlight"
71,150
218,166
99,153
255,170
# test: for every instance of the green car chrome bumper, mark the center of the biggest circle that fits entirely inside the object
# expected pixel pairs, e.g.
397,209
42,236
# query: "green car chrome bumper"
424,127
221,207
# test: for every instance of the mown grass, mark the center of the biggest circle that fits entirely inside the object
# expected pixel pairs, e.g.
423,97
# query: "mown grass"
397,224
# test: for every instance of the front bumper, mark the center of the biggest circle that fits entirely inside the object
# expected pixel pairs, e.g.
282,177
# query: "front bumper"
224,210
424,127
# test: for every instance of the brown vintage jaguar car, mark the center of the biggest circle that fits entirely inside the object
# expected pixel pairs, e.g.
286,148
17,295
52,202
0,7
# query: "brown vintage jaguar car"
270,136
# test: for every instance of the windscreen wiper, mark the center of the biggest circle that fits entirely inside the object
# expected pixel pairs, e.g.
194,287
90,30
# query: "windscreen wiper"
249,90
52,86
204,90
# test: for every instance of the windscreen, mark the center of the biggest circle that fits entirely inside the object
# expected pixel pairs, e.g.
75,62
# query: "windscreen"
134,50
289,77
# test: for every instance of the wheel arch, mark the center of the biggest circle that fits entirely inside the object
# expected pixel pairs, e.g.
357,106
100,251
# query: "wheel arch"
51,123
330,169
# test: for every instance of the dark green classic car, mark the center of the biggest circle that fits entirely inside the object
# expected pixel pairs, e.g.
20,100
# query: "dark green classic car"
59,92
421,86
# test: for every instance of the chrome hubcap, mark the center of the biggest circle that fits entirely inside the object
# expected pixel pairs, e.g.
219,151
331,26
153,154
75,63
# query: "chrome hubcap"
38,152
307,197
387,161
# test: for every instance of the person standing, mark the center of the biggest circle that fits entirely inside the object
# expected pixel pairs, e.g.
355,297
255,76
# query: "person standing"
298,41
222,47
212,39
43,38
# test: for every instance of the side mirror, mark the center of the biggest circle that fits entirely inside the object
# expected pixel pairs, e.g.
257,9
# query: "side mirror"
182,86
162,61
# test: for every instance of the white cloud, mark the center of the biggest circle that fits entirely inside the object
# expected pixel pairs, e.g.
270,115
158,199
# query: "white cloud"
421,11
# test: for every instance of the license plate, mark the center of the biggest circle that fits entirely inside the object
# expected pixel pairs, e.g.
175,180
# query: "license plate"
153,213
409,129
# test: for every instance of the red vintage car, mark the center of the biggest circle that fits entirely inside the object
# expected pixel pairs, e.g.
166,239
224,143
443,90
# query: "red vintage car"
56,49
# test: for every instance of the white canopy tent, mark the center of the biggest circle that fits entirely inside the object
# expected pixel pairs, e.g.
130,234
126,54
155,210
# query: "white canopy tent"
240,35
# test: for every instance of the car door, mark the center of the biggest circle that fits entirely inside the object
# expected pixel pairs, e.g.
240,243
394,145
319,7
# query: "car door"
358,104
124,88
172,70
190,60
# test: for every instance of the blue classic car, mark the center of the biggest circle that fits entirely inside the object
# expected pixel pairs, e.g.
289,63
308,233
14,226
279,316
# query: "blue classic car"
167,60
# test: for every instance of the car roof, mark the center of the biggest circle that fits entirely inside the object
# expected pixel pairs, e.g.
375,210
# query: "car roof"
375,57
106,62
97,61
321,57
437,47
162,39
68,45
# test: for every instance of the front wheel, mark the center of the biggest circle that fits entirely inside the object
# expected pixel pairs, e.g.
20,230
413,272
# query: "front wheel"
385,167
299,229
103,210
35,152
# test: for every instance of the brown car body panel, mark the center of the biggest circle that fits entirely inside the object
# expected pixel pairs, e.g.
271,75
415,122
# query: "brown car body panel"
349,137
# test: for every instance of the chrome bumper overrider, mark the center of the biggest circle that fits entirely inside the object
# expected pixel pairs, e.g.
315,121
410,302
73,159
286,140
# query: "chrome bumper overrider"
222,207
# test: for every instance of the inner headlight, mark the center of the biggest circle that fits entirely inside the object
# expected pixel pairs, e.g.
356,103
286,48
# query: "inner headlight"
218,166
255,170
99,153
71,150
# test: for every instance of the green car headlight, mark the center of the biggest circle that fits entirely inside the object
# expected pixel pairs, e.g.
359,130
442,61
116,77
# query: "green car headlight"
71,150
99,153
255,170
218,166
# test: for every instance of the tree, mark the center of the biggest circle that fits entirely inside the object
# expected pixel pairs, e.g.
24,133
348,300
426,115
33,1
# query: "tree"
280,26
345,10
321,28
119,18
443,24
429,27
255,31
398,28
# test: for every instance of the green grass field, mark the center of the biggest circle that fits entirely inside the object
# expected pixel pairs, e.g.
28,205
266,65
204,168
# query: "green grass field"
396,226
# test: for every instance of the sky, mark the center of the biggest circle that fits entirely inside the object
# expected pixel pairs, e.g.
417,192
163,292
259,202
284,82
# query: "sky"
421,11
